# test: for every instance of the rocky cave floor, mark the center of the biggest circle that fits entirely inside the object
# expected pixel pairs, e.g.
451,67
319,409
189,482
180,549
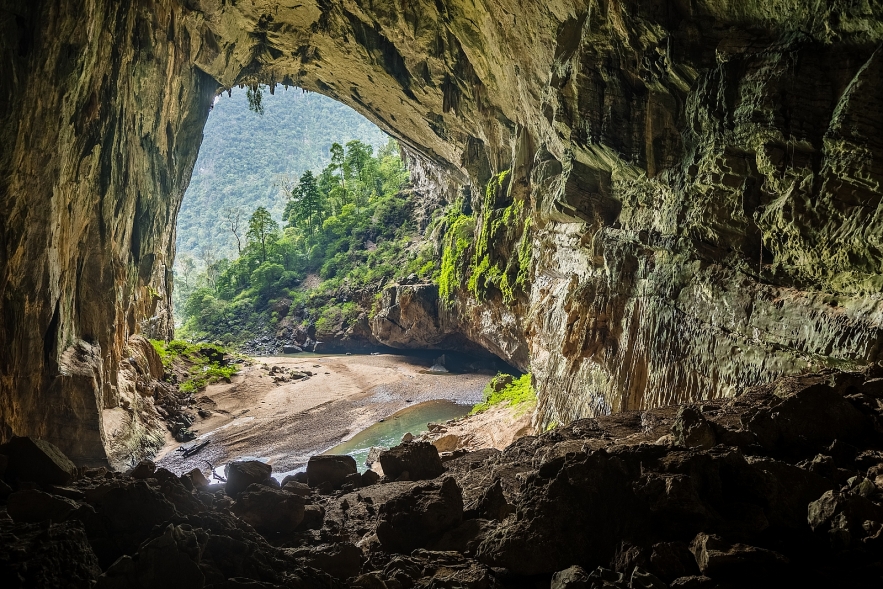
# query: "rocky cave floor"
779,486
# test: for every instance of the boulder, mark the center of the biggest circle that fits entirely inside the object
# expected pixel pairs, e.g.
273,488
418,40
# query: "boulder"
291,349
716,557
373,455
419,514
692,430
807,421
242,474
314,516
447,443
37,461
369,477
465,538
30,505
330,468
47,555
296,488
574,577
419,459
269,511
143,470
492,504
170,560
197,478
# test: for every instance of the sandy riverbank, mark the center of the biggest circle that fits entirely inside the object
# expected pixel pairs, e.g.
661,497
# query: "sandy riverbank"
286,423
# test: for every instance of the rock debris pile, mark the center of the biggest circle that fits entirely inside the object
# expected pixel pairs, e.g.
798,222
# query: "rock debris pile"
779,486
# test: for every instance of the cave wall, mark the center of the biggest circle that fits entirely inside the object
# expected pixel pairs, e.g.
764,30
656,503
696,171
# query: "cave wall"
101,111
702,178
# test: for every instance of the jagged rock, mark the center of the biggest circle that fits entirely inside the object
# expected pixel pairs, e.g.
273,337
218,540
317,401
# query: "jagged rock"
369,477
143,470
692,430
330,469
314,516
31,506
341,560
717,558
37,461
121,516
419,459
197,479
373,455
291,349
172,559
242,474
416,516
808,420
53,555
465,538
492,504
268,510
292,486
571,578
671,560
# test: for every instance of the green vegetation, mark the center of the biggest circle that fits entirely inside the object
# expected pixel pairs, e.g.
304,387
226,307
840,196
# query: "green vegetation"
487,268
504,387
349,228
194,365
243,164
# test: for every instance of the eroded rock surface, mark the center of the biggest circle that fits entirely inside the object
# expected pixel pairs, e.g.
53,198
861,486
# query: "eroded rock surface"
603,502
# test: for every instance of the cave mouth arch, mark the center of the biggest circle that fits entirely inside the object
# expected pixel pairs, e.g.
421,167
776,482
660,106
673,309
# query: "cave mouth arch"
599,115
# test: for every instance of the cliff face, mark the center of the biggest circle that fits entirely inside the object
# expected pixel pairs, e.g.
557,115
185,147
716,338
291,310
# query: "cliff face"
101,111
702,180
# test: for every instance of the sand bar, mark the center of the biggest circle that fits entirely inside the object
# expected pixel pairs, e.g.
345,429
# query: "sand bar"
286,423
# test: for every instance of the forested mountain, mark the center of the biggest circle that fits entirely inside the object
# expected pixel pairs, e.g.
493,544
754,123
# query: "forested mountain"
246,157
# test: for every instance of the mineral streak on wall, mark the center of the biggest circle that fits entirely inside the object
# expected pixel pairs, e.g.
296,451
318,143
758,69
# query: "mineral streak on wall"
702,180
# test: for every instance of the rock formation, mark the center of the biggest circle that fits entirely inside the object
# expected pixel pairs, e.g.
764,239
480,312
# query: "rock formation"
785,488
661,201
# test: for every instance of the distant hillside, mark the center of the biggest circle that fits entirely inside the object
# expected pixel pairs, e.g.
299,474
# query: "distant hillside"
245,156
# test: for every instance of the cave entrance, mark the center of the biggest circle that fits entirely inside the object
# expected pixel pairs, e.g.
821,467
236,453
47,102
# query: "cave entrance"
303,293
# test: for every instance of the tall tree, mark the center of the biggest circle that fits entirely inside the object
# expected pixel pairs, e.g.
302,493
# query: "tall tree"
305,206
262,229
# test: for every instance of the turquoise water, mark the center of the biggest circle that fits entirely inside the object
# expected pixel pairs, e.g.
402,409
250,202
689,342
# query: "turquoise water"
389,432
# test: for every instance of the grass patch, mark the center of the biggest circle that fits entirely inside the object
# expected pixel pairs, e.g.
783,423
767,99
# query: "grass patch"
505,387
197,364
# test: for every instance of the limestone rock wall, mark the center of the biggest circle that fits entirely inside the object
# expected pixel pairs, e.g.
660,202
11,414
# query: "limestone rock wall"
101,111
702,178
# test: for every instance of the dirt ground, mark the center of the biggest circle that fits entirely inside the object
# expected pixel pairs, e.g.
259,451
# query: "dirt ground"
286,423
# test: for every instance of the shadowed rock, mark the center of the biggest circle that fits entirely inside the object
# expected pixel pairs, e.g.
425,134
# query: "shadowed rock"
330,469
419,459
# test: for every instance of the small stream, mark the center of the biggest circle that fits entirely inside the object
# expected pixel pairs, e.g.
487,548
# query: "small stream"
389,432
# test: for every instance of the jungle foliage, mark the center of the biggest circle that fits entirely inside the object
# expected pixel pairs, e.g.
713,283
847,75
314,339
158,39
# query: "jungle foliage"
344,232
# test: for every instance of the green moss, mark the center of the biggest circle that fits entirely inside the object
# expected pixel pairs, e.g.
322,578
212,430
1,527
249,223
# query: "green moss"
459,230
517,392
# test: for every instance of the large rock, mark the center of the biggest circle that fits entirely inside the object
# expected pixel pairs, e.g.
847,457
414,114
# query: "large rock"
30,505
413,518
242,474
419,459
37,461
268,510
719,559
330,469
172,559
46,555
691,429
341,561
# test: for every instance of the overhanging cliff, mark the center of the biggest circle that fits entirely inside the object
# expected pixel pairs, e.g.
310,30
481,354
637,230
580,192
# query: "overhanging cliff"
702,179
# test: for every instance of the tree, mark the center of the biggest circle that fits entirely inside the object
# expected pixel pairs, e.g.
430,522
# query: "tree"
306,204
233,219
262,230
